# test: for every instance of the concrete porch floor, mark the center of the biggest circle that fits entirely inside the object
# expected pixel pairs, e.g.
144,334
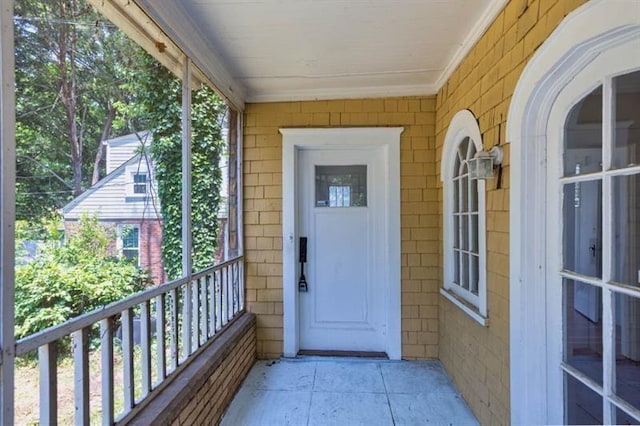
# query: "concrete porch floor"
345,392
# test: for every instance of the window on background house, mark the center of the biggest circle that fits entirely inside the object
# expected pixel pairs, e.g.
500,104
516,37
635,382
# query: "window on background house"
464,219
140,183
129,242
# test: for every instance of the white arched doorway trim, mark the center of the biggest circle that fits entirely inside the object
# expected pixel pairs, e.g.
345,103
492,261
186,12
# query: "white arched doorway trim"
593,28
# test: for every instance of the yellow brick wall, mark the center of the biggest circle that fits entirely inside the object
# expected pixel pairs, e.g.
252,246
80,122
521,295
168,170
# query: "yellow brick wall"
211,400
476,357
420,220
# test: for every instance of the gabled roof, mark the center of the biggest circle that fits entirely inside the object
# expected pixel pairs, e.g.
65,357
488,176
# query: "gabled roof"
126,139
110,180
121,149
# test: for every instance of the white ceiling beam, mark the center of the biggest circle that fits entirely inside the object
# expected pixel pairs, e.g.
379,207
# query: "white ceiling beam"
129,18
180,28
340,93
161,42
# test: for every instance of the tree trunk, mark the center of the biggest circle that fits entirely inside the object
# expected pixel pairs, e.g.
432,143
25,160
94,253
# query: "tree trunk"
106,131
66,57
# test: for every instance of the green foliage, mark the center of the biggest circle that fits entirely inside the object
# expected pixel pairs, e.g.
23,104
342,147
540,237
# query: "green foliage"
47,228
57,47
160,94
68,280
32,236
60,42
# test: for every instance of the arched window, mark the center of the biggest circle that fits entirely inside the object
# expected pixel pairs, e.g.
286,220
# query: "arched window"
464,219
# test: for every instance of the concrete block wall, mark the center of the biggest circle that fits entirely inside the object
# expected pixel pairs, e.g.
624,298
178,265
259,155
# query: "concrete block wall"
420,220
476,357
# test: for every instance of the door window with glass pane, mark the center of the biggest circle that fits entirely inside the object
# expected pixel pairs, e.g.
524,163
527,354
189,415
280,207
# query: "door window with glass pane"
341,186
600,278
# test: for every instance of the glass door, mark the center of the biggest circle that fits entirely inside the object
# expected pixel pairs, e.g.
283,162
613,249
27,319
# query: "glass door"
600,274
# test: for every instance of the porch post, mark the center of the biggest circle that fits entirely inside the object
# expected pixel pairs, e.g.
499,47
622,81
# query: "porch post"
232,214
239,182
7,212
186,206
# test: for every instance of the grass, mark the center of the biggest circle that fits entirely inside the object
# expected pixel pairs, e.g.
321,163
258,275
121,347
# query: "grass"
27,404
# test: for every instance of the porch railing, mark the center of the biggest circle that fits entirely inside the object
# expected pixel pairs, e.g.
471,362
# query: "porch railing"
155,332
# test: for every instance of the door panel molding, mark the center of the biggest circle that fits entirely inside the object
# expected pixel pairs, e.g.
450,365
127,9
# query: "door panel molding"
295,140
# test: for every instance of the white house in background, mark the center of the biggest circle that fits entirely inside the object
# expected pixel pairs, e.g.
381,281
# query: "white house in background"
126,199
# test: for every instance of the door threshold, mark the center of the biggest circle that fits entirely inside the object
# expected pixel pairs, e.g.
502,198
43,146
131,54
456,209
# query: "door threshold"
343,354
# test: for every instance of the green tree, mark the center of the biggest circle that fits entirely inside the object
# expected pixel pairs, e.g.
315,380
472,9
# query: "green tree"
71,67
70,279
160,95
80,81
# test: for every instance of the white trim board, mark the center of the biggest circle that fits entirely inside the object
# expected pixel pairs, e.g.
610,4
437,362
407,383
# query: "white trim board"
578,40
179,27
476,33
296,139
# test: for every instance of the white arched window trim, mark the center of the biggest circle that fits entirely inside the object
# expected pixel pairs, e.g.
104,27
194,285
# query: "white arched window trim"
463,125
584,34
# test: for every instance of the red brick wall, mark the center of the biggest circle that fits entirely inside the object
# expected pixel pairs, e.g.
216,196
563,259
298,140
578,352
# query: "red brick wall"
151,249
150,255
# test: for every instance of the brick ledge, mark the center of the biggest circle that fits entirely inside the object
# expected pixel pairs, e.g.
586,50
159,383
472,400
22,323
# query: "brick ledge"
166,406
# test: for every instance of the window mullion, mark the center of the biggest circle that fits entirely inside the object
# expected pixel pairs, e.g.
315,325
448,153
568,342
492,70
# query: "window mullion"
608,124
459,219
469,266
608,315
471,274
482,249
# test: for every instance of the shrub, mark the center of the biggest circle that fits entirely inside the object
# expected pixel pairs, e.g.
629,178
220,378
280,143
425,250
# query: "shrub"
72,279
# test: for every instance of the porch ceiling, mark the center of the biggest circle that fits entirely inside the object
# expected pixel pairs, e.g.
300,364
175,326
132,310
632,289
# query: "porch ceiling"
270,50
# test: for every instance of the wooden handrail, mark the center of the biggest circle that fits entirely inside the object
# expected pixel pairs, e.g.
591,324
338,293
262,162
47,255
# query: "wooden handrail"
52,334
199,305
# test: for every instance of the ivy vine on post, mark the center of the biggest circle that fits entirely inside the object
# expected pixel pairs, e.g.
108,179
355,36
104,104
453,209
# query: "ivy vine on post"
161,95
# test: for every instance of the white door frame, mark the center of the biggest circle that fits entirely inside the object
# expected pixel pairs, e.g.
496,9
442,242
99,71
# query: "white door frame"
294,140
586,32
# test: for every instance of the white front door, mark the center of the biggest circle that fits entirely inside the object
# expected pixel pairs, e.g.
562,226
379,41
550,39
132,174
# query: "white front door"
341,208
